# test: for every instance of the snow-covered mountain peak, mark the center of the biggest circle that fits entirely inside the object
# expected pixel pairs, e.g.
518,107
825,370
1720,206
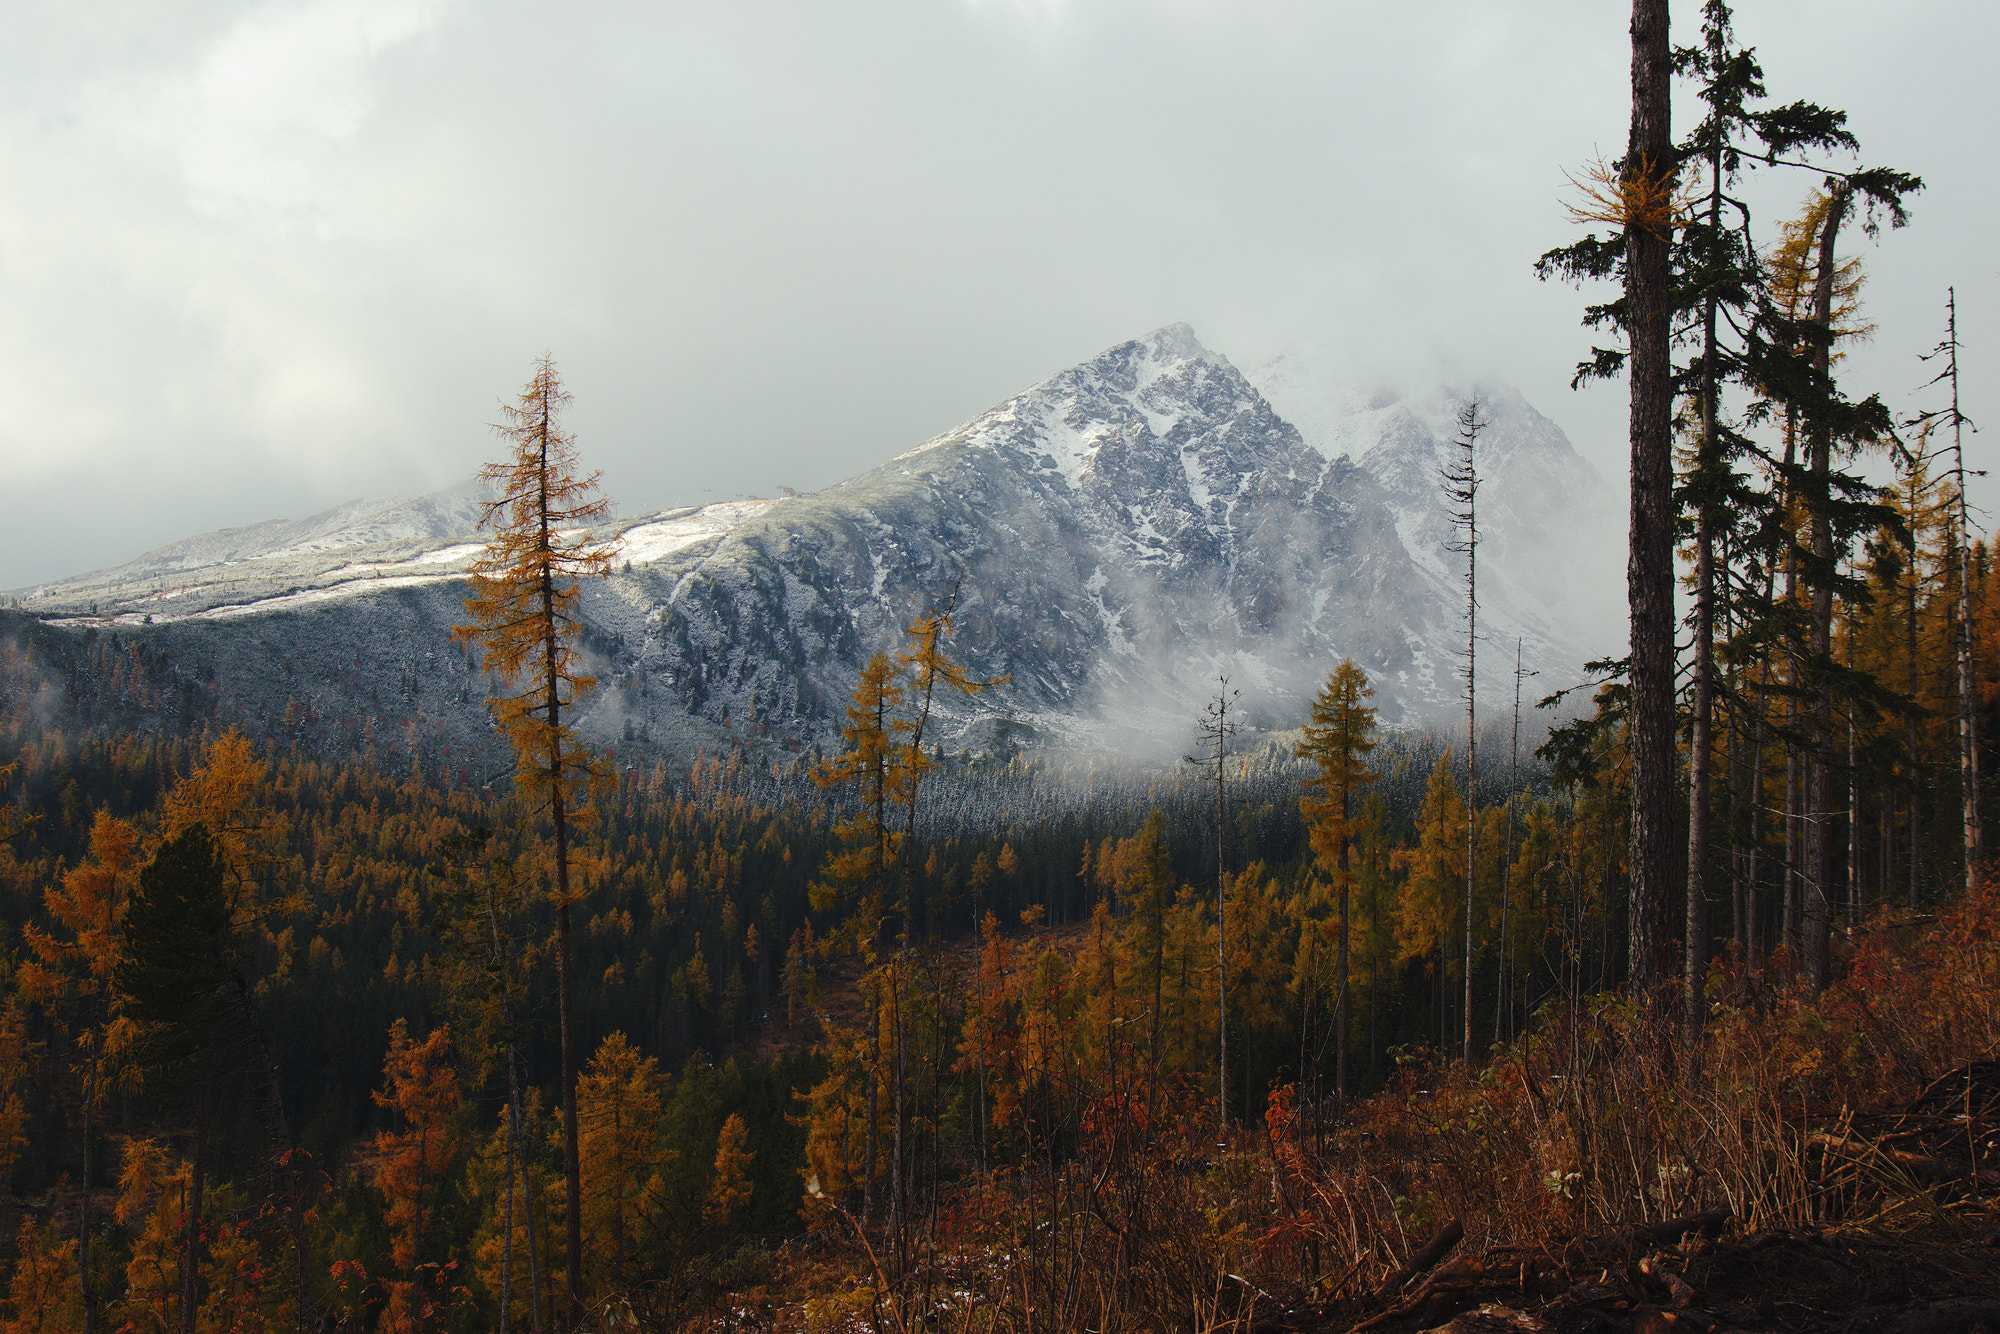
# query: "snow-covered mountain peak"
1162,404
1120,534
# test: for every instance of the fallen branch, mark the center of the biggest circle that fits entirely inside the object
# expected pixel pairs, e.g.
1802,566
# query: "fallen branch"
1650,1236
1434,1250
1923,1167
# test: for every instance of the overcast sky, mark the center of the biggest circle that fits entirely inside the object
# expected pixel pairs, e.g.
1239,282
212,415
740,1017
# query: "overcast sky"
258,259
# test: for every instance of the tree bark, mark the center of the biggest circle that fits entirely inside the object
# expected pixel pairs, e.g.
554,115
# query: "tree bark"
1819,808
1968,729
1650,560
1701,742
191,1224
566,1018
83,1205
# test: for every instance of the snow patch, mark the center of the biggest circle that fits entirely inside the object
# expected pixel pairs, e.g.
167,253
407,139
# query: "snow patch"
671,531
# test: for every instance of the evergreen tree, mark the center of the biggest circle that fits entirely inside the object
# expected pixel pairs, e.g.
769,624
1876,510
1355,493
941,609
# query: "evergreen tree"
1721,282
177,979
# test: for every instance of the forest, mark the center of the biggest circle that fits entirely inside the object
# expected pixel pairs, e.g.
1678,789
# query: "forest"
1335,1028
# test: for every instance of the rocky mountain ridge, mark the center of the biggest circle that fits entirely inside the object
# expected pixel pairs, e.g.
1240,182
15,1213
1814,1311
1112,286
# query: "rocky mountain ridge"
1120,536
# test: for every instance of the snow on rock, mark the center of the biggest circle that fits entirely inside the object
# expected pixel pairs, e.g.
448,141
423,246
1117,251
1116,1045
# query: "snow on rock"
675,530
1116,538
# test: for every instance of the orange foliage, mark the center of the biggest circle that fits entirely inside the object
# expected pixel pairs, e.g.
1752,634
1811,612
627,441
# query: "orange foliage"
618,1101
422,1092
729,1191
523,601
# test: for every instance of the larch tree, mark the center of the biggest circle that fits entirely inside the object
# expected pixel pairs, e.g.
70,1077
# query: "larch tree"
525,617
730,1187
73,960
1337,739
875,765
484,968
926,666
420,1091
620,1096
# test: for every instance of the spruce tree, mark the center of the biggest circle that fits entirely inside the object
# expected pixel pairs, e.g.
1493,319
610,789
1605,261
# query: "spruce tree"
1721,280
178,980
1681,254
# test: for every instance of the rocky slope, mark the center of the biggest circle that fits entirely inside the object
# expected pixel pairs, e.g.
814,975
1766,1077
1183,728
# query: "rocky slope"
1120,536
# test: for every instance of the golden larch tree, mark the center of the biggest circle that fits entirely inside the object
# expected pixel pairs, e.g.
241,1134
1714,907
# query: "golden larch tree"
619,1098
730,1189
1337,740
524,606
420,1088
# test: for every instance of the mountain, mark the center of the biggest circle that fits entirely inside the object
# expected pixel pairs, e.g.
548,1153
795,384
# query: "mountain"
1119,536
424,534
1126,532
1546,517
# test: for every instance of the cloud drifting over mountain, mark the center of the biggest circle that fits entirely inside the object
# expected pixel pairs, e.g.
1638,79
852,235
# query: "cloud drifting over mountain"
262,258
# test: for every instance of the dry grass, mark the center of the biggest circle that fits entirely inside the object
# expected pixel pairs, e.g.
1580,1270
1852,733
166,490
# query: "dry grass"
1793,1112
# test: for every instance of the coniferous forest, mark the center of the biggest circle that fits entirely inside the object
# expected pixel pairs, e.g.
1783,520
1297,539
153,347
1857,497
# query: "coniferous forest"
1683,1010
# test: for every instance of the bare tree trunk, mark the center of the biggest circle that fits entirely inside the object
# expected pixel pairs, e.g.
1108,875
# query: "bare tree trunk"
1753,926
1340,992
979,1049
1733,802
1853,805
1916,771
191,1224
1701,743
1461,488
83,1204
898,1205
1503,1017
1968,732
1221,943
1819,816
1471,788
874,985
1789,934
528,1197
566,1023
1650,561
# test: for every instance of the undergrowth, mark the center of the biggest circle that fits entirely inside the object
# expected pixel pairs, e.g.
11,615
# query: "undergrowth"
1791,1111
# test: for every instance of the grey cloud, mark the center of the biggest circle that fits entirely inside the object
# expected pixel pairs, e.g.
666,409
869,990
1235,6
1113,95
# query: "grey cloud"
256,260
